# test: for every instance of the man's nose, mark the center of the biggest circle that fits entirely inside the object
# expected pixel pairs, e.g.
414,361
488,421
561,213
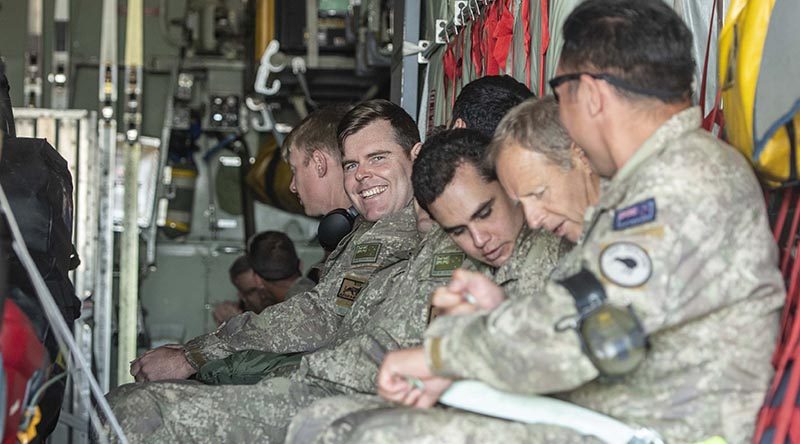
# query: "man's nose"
362,172
534,217
479,237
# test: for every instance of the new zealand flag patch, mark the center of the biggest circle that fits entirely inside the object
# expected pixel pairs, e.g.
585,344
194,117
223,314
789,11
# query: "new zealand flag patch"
636,214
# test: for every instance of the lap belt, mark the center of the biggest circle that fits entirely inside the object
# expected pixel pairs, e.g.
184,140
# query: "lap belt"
477,397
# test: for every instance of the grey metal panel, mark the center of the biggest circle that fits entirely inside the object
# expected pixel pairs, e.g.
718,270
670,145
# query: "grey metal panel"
405,70
778,93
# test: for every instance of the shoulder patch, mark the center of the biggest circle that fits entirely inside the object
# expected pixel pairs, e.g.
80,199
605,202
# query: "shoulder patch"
366,253
626,264
348,292
636,214
444,264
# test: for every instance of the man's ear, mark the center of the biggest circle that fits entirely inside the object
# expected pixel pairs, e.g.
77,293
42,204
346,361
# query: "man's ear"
320,163
459,123
596,91
415,150
579,157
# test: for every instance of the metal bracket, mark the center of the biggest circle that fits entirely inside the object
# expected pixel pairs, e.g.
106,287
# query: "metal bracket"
423,45
441,27
264,124
458,14
267,67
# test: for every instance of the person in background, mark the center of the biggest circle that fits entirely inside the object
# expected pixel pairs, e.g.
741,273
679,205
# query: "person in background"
483,102
270,273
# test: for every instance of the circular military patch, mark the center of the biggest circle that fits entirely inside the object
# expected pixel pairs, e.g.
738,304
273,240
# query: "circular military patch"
626,264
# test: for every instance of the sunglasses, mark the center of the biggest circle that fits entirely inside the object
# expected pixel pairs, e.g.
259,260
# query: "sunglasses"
662,94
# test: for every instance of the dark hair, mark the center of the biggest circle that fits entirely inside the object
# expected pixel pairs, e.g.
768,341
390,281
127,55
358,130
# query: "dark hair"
643,42
535,126
406,133
272,256
441,155
316,132
484,101
239,266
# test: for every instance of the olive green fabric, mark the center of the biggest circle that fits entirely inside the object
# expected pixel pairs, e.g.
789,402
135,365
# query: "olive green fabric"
247,367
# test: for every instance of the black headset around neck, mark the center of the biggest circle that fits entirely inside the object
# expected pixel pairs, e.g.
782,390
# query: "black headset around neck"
334,226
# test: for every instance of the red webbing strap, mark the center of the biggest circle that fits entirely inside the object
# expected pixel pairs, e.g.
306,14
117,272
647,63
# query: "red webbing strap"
449,65
787,246
785,411
782,416
476,52
504,31
545,44
789,332
782,214
490,39
715,115
459,68
525,14
794,432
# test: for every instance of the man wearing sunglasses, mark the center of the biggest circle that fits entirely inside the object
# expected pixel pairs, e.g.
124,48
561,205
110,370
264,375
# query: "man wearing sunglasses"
677,254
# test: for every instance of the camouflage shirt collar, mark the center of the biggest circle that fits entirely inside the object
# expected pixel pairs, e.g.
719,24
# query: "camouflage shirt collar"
679,124
511,269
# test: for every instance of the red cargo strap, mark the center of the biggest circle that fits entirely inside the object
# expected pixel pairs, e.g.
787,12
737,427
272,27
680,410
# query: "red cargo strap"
504,32
715,115
525,14
490,39
476,47
449,62
779,417
545,45
459,68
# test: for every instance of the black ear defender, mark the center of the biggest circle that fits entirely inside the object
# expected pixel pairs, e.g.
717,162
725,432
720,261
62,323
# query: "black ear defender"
334,226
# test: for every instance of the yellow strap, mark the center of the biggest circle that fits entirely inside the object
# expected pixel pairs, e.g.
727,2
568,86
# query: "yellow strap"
27,435
713,440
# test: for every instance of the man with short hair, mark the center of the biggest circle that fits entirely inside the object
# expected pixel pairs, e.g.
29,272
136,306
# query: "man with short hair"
484,101
313,154
467,202
268,274
304,323
680,235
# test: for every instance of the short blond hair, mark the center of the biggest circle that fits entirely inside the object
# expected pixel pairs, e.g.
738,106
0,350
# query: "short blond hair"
534,125
316,132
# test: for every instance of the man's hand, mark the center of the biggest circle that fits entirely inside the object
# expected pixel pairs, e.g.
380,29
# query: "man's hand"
468,292
404,378
224,311
166,362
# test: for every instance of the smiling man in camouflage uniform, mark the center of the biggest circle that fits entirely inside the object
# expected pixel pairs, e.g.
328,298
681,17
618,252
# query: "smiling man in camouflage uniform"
451,181
680,234
386,236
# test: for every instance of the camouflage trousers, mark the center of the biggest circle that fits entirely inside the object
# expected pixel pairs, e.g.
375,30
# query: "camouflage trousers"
365,419
190,412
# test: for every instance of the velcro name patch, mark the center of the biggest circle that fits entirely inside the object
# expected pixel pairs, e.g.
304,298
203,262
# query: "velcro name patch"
635,215
444,264
366,253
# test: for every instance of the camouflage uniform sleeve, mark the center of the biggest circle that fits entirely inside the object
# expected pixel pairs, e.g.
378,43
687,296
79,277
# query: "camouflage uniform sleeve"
307,321
495,347
674,250
400,320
